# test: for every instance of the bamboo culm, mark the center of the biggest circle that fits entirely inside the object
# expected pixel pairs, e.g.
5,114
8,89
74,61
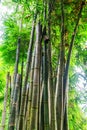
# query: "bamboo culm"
29,57
12,117
36,82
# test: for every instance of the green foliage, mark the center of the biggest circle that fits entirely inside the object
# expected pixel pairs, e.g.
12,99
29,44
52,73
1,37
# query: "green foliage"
77,119
19,23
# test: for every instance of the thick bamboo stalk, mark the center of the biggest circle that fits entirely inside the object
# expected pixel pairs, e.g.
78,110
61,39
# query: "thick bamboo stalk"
50,79
30,91
59,86
45,88
59,101
51,94
36,83
5,104
18,103
26,107
29,57
41,112
14,104
20,92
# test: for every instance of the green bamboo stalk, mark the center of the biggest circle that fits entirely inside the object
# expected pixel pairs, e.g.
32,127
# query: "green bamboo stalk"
10,85
45,88
5,104
29,57
12,117
50,79
15,73
26,107
65,122
22,71
67,67
30,91
59,84
41,112
70,52
65,125
18,102
36,83
16,65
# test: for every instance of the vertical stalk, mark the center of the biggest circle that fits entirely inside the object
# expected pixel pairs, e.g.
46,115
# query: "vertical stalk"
65,122
70,50
68,64
59,84
50,79
26,107
10,85
16,65
29,57
45,88
14,104
36,83
30,91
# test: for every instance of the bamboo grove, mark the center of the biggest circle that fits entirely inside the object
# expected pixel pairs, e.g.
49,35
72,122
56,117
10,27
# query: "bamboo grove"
39,94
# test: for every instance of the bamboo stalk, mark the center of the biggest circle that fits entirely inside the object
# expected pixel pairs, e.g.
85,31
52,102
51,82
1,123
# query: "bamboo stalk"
36,83
16,66
59,84
29,57
70,52
18,103
50,79
41,112
65,122
45,88
26,107
30,91
5,104
10,85
14,104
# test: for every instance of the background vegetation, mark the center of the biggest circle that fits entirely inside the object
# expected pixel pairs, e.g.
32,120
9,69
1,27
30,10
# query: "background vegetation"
19,22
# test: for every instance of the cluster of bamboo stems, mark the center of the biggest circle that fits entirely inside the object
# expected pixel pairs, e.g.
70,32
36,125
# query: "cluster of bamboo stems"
38,102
